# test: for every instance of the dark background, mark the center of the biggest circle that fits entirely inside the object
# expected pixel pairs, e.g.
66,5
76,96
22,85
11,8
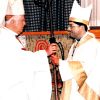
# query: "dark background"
46,15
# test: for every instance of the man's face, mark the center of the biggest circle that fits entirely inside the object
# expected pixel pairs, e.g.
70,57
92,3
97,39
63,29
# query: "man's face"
15,23
19,23
74,30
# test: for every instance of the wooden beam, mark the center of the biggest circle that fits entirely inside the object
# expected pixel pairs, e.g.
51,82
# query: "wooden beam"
45,33
95,31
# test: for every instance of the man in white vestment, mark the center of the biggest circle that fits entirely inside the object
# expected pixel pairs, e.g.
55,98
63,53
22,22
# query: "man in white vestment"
24,75
80,70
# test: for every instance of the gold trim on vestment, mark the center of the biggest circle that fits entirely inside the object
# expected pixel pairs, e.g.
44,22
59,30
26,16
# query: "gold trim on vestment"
79,76
79,20
88,93
82,41
66,90
85,39
78,72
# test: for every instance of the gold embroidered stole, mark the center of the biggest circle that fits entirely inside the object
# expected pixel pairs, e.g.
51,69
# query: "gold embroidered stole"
79,75
77,44
88,93
66,90
78,72
85,39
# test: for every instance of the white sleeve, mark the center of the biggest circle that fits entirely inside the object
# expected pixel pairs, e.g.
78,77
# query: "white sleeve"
38,60
13,7
41,60
65,71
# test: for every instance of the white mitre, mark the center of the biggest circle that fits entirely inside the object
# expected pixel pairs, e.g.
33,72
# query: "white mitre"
80,14
15,7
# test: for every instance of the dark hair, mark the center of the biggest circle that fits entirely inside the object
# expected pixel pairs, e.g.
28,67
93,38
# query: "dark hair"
81,24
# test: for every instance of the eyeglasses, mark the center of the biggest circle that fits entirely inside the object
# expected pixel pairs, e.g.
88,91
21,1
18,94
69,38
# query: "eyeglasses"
72,26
